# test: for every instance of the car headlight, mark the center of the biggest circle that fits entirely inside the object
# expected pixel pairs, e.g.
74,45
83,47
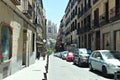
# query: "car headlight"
111,65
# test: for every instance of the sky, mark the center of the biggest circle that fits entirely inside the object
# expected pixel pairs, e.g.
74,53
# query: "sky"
55,10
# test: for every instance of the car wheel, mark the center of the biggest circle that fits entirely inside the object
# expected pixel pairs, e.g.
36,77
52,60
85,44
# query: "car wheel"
104,71
79,63
90,67
74,62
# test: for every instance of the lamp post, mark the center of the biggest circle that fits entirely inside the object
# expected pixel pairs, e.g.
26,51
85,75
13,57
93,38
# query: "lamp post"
44,40
44,44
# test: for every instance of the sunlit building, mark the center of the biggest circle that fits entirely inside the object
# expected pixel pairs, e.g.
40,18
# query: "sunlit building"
51,30
18,35
97,24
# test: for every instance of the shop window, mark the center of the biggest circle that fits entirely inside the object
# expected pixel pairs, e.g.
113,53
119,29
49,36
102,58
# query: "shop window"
5,44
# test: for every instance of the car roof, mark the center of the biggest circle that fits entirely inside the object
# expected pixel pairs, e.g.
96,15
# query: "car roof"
84,48
101,50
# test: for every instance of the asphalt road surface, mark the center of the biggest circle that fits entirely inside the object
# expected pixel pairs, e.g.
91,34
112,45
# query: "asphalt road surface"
62,70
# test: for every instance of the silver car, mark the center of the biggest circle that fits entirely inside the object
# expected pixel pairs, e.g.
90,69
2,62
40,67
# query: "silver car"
105,61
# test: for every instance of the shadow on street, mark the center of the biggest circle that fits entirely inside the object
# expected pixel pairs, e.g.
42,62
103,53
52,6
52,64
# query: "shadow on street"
100,74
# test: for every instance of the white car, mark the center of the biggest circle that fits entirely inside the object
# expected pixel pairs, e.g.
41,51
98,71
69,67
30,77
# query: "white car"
105,61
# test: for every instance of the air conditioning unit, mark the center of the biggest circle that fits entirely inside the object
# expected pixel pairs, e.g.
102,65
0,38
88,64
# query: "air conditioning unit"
16,2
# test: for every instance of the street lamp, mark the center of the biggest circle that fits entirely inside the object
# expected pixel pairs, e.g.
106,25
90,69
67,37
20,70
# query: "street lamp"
44,40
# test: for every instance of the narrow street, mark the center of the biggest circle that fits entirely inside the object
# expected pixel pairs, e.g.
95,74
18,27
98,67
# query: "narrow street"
62,70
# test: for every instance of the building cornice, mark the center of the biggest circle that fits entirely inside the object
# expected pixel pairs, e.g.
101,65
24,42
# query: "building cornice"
18,12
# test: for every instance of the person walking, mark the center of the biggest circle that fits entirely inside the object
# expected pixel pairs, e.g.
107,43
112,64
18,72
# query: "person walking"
38,55
44,54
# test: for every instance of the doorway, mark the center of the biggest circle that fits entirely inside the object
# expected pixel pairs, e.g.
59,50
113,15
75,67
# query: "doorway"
24,48
97,40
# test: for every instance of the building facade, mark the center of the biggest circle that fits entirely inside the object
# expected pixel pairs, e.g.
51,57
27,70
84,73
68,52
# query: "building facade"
94,24
60,41
71,24
44,30
39,21
51,30
17,35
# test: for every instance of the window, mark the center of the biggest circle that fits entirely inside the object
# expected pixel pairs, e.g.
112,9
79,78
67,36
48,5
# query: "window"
49,30
89,3
117,40
96,17
106,41
117,7
93,55
94,1
108,55
5,44
96,55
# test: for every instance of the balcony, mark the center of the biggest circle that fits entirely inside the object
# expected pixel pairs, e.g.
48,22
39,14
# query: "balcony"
28,12
87,27
95,24
16,2
115,14
104,19
80,30
67,32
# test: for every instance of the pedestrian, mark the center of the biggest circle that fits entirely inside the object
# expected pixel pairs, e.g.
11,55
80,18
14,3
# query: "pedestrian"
38,55
43,54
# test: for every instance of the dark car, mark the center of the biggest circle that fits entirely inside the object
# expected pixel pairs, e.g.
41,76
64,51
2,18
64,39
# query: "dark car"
81,56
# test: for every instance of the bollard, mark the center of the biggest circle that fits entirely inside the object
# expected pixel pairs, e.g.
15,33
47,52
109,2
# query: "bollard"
46,68
45,76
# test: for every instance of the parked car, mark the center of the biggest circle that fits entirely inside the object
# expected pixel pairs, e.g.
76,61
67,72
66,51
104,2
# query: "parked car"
104,61
81,56
64,54
57,54
70,56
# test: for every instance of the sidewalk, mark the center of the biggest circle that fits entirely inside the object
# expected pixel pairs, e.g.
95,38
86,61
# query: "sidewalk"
33,72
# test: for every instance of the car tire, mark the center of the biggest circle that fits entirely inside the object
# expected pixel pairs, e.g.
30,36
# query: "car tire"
90,67
74,62
104,71
79,63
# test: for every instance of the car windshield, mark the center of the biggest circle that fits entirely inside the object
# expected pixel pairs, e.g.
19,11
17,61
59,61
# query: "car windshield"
84,51
112,54
65,52
117,54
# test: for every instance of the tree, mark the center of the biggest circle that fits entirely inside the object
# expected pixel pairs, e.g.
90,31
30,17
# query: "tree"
50,46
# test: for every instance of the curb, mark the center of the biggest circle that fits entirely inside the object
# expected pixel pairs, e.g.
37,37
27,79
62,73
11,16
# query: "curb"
46,68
